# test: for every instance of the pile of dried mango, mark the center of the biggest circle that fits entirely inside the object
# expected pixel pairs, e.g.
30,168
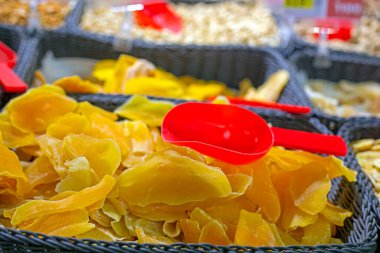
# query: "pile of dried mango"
73,169
130,75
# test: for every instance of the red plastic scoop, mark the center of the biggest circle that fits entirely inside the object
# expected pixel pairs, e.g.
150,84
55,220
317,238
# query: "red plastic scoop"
237,135
294,109
158,15
8,79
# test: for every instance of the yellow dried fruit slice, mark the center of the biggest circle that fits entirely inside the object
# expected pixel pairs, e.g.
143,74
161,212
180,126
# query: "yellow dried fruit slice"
156,181
35,110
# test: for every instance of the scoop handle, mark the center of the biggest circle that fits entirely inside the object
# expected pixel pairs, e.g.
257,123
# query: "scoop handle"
294,109
312,142
10,81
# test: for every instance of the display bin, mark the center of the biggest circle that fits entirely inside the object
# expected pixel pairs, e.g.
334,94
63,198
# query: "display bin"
359,232
343,67
356,130
23,46
227,64
286,46
74,4
299,44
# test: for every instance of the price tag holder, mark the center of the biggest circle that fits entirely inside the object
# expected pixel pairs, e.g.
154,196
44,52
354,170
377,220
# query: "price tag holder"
346,9
303,4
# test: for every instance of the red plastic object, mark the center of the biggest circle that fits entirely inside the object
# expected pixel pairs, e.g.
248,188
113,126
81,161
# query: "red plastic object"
294,109
236,135
159,16
336,28
8,79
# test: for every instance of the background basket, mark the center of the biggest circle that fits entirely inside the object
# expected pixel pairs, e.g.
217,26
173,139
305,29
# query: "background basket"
71,15
357,130
344,67
285,47
18,42
359,232
226,64
299,44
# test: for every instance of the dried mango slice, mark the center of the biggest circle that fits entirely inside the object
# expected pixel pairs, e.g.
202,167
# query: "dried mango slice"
120,229
317,233
114,82
221,100
52,148
74,84
272,88
102,127
102,219
103,69
204,91
41,171
253,230
191,230
15,138
239,184
158,142
141,142
151,86
230,218
292,217
263,193
336,168
214,233
98,233
156,181
276,234
171,229
309,188
287,239
11,173
35,110
86,109
335,214
78,200
200,216
119,206
70,123
188,152
144,237
79,176
151,112
109,209
161,212
103,154
69,223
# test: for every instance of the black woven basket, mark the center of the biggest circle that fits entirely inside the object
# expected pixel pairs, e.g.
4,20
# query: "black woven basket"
286,46
226,64
299,44
357,130
359,232
343,67
18,42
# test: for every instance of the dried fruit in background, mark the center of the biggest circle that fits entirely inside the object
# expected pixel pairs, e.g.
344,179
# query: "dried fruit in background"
345,99
368,154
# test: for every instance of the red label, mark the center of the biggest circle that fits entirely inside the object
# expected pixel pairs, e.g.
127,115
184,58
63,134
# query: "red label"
345,8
